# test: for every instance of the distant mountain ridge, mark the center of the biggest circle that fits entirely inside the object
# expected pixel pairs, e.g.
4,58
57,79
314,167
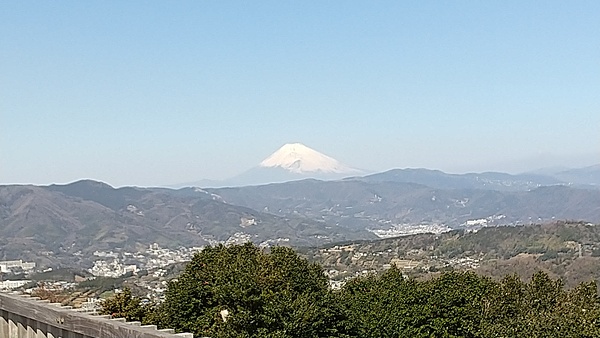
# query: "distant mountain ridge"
441,180
84,216
359,204
66,223
587,175
295,161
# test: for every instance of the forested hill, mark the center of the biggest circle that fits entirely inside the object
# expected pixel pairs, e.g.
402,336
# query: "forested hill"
567,250
242,291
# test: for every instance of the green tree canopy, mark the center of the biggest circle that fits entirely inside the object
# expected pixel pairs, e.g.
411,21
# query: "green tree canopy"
124,305
464,304
241,291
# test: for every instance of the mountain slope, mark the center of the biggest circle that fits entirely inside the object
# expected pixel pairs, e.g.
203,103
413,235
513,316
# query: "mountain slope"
588,175
441,180
87,216
358,204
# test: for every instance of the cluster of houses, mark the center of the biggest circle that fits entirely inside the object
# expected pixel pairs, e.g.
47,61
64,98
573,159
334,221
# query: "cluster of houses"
16,268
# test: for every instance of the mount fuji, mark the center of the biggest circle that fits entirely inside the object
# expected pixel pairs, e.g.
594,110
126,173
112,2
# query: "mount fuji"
293,161
299,159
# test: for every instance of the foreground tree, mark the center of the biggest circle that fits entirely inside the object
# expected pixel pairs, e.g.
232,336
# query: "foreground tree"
241,291
463,304
542,308
391,305
125,305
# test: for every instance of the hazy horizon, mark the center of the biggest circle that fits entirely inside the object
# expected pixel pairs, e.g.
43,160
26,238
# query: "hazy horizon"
153,94
367,171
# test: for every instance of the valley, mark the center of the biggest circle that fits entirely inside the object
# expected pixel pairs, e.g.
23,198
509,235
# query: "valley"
422,221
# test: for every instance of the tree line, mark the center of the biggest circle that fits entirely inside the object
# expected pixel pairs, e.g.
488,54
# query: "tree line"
243,291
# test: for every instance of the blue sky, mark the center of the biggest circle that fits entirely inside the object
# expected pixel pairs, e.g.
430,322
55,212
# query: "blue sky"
152,93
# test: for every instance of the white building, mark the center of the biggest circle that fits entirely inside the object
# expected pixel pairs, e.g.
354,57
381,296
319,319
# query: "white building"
6,266
12,284
481,221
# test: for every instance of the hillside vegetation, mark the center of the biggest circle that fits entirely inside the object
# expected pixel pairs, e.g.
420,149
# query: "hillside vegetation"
569,250
241,291
63,225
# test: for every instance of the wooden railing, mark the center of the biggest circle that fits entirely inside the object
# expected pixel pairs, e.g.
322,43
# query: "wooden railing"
22,316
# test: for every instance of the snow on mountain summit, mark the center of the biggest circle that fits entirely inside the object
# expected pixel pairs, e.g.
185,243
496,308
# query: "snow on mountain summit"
299,159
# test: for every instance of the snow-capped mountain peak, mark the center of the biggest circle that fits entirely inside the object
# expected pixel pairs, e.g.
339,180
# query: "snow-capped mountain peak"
299,159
